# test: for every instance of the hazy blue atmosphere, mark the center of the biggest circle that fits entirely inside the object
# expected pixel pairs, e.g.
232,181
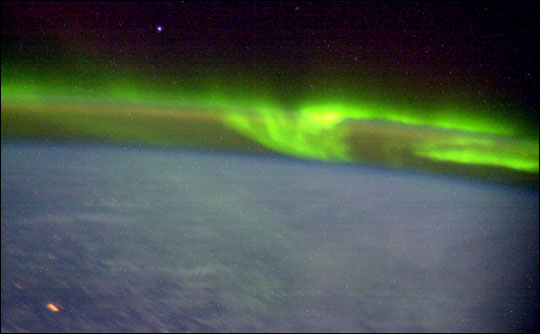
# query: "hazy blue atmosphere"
132,239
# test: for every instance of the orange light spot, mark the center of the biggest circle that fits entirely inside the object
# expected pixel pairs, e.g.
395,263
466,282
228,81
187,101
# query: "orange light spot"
52,307
18,286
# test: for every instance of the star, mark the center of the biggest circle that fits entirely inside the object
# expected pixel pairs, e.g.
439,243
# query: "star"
159,28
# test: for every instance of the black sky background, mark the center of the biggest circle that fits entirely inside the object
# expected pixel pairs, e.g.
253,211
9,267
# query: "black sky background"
484,50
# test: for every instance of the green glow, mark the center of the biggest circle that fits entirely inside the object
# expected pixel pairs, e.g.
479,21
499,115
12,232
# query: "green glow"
323,129
305,135
446,119
315,132
476,157
520,155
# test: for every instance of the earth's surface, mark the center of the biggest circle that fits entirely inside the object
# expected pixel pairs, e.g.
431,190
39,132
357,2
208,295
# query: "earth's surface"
133,239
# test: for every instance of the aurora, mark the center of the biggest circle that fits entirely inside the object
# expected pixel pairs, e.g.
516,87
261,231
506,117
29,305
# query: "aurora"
322,130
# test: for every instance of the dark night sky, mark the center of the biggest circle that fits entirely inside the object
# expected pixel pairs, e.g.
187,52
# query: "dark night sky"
486,49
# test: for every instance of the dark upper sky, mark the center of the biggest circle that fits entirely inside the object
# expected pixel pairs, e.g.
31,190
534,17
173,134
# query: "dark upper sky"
481,47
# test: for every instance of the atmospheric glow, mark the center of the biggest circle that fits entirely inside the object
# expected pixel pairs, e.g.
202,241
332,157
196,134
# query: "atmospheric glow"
323,130
317,132
472,156
305,135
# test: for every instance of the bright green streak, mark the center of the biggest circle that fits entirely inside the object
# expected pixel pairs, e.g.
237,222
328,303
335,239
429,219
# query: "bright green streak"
446,119
307,129
478,157
303,135
315,132
518,154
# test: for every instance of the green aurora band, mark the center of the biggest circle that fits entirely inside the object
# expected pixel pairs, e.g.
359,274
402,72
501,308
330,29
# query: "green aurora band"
315,128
